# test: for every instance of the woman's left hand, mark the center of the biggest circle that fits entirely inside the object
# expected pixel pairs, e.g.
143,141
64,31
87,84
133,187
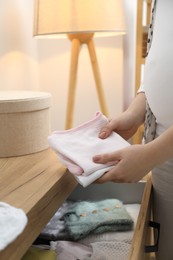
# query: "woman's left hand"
132,164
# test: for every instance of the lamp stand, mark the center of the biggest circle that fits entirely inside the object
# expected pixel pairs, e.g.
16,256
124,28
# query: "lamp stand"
77,40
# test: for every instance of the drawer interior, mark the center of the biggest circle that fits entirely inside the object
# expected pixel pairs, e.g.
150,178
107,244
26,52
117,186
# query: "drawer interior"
126,192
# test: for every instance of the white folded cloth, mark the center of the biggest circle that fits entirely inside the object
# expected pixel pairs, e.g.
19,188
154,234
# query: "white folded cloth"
12,223
76,147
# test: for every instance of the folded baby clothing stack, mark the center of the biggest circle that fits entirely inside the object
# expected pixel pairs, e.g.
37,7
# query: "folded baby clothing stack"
97,217
85,219
79,220
92,230
125,236
77,146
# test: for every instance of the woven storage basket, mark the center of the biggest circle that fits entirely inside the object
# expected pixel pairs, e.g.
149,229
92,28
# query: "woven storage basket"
24,122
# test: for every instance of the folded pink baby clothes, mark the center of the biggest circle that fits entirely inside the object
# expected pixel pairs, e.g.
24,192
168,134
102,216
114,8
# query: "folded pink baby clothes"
77,146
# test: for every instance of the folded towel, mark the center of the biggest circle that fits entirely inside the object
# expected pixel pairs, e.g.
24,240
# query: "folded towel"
97,217
12,223
77,146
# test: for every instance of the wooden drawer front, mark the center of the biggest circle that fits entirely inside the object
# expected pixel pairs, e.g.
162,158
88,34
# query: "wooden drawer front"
143,235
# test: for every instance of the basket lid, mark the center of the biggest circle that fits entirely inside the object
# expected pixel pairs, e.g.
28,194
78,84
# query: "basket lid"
23,101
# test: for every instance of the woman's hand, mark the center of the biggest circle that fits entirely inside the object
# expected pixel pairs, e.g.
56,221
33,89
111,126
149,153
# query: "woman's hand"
132,164
124,125
135,161
128,122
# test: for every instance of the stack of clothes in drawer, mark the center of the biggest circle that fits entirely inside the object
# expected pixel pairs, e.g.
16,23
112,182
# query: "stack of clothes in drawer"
90,230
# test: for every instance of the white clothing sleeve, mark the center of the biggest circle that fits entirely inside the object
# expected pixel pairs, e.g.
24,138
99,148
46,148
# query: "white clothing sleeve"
141,88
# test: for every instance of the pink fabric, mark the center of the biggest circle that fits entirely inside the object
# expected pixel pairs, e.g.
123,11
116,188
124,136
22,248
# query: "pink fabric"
76,147
67,250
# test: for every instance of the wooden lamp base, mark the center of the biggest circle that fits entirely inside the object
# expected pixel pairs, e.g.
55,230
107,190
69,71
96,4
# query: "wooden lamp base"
77,40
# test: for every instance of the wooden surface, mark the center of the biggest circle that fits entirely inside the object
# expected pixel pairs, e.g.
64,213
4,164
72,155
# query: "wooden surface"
77,41
141,238
97,77
75,50
38,184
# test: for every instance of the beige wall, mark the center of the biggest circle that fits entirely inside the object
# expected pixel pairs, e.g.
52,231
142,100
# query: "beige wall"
18,50
32,64
129,52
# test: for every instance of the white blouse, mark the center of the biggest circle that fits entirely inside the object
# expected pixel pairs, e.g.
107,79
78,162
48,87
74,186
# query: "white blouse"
158,72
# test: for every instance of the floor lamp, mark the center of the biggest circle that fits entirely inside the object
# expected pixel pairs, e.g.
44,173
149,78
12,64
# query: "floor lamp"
80,20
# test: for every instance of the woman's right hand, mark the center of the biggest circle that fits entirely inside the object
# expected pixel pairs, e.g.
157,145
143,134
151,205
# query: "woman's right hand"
124,125
128,122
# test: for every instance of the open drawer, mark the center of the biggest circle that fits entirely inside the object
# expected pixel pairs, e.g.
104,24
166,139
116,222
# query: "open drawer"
128,193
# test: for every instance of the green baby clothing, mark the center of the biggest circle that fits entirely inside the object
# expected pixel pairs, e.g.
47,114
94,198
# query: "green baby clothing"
97,217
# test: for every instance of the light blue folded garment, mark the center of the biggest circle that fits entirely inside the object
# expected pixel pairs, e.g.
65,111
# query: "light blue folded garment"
87,217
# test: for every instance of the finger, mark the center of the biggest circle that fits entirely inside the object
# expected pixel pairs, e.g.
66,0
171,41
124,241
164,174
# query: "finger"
107,130
106,158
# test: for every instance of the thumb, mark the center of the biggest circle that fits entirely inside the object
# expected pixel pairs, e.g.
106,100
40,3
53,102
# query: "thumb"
110,158
107,129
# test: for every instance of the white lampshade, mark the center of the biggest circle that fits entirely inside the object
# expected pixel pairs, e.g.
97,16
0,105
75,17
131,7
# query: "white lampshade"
54,17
